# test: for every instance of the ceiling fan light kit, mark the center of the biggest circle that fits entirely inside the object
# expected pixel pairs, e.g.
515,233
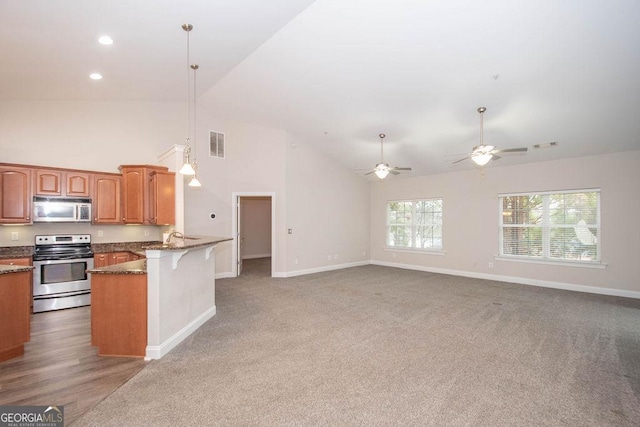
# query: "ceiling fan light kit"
483,154
383,169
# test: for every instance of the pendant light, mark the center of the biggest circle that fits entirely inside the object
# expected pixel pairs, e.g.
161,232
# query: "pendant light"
194,181
187,168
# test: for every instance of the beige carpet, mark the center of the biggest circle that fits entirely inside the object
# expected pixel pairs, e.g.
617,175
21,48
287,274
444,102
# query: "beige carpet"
382,346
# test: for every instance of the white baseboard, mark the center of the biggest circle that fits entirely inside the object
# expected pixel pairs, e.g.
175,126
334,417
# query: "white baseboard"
518,280
225,275
157,351
321,269
256,256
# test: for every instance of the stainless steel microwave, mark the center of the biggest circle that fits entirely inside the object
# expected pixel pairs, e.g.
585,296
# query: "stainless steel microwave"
46,209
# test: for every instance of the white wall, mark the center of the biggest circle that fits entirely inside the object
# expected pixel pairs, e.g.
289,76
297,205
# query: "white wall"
98,136
255,231
254,162
471,214
328,212
89,135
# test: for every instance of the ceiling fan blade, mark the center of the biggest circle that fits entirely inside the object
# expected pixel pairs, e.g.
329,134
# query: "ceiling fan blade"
401,169
495,157
394,172
458,161
511,150
369,173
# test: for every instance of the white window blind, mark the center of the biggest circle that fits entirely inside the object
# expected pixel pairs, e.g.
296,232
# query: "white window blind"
551,225
415,224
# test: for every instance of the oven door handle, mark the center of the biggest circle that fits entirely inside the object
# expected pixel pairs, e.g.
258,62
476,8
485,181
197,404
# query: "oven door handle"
63,257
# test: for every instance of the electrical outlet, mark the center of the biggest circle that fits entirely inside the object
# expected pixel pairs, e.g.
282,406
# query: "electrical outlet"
100,233
335,256
490,265
295,261
14,235
146,233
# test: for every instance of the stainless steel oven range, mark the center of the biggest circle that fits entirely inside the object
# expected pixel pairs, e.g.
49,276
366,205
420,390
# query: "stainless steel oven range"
60,278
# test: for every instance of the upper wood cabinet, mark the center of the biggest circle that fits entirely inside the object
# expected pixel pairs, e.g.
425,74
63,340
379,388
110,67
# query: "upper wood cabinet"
15,195
106,199
163,198
58,183
148,195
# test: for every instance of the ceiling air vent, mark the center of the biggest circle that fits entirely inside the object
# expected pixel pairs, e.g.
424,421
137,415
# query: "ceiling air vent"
546,145
216,144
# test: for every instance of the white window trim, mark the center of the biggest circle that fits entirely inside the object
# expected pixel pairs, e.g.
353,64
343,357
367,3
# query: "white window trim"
565,263
415,250
547,260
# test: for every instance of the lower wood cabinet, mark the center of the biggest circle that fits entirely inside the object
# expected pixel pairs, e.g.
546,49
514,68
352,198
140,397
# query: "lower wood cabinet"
14,313
22,261
119,314
111,258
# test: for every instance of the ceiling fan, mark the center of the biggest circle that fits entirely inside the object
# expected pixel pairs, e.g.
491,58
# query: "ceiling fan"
383,169
482,154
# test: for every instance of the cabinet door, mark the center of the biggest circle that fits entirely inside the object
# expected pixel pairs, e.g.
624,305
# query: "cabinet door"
101,260
48,182
120,257
21,261
106,199
15,195
163,198
14,313
133,183
78,184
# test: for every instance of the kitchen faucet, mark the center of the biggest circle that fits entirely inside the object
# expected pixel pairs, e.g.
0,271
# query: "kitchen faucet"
176,234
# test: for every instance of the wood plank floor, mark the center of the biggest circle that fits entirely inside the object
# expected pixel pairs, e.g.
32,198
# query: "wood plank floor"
60,367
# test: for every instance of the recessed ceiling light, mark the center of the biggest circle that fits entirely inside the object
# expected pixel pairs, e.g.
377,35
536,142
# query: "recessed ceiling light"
105,40
95,76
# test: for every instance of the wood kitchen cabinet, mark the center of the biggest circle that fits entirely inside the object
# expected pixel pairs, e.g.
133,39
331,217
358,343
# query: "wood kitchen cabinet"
22,261
162,206
111,258
14,313
106,198
61,183
148,195
15,195
119,314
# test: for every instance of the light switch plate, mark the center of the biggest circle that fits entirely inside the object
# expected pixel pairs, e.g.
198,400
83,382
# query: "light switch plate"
14,235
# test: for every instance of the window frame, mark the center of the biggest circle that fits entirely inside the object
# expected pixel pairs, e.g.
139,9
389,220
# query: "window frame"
547,226
414,227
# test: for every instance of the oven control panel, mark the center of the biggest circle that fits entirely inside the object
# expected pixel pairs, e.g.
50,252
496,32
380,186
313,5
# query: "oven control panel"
62,239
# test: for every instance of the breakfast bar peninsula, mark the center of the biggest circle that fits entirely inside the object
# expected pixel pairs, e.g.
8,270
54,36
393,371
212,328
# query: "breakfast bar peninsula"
146,307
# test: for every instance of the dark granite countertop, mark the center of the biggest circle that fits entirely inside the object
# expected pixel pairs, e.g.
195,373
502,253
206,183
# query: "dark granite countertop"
140,266
16,251
7,269
133,247
188,242
131,267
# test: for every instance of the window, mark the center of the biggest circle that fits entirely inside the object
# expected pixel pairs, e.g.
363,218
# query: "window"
415,224
559,226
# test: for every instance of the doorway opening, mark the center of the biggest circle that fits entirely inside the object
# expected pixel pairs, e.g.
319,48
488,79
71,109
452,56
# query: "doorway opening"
254,229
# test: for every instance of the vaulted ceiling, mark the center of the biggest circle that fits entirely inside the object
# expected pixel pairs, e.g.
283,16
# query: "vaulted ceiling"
336,73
